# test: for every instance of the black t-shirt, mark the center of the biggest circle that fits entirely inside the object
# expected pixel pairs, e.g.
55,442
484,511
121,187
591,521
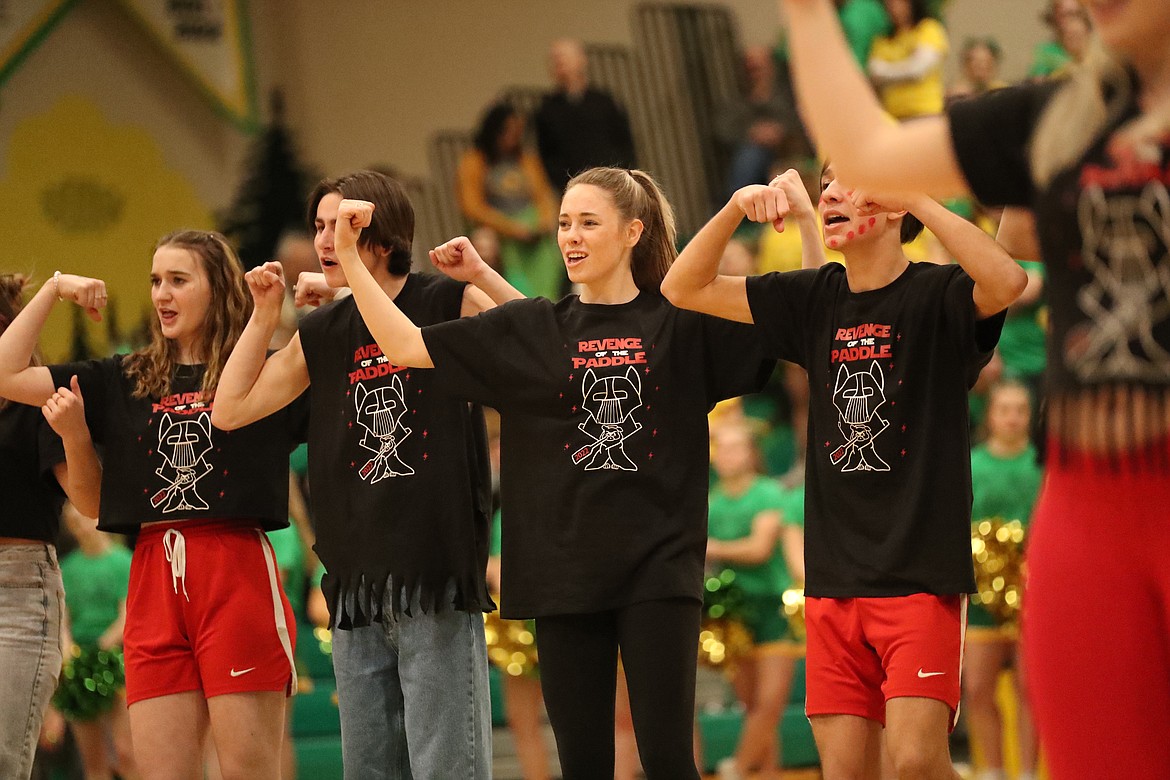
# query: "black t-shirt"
603,441
29,449
574,134
399,477
1104,231
888,480
162,459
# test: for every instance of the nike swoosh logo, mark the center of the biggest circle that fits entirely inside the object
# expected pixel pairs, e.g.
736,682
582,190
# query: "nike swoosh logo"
928,674
234,673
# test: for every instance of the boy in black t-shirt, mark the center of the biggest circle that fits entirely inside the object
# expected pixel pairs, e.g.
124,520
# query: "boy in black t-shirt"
891,349
400,493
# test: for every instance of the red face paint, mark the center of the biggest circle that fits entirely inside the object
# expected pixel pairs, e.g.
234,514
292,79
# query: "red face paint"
861,230
834,243
849,235
872,221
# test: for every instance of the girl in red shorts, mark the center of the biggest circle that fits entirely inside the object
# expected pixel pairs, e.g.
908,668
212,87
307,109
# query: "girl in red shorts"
1090,156
209,634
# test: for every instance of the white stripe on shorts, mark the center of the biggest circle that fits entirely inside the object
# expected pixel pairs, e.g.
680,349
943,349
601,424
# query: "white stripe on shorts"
963,599
278,608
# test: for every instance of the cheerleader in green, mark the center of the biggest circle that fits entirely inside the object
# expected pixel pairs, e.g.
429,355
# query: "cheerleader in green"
96,578
755,529
1005,480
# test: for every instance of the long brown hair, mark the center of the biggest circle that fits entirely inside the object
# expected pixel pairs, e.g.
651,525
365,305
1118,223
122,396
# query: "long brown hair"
152,367
636,195
12,287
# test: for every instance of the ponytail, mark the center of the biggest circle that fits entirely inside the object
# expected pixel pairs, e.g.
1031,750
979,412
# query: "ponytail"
1092,99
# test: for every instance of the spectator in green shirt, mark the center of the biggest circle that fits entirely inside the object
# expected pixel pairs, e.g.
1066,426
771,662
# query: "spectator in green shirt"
755,529
1071,29
1005,481
96,577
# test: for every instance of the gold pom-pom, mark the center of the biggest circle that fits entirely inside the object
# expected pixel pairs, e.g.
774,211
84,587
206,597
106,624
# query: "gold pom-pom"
511,644
794,612
997,549
723,642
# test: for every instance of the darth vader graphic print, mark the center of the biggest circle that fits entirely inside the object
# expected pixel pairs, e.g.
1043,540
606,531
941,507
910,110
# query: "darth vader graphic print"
610,402
611,396
183,444
378,404
379,413
859,395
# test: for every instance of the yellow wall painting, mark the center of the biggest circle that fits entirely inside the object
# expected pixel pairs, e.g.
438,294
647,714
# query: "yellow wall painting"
86,196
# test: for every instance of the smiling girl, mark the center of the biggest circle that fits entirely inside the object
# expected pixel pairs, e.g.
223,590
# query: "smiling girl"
603,399
209,633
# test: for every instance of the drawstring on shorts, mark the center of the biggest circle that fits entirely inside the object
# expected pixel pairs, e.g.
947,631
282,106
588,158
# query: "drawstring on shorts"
176,549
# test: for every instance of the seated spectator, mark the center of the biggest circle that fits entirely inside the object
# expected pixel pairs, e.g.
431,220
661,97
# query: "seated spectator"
907,66
760,128
501,185
577,125
1070,31
980,69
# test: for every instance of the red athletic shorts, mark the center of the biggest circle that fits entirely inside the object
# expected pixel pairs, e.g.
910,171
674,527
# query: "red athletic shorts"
862,652
206,612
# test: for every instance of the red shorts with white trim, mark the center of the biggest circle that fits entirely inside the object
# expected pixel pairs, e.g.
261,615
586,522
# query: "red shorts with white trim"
206,612
862,652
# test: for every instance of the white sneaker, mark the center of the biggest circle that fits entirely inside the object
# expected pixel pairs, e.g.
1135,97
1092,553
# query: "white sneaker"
727,769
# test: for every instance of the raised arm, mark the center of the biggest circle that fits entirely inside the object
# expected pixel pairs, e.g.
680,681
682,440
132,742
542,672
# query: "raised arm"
252,387
33,385
694,281
400,339
867,148
999,280
486,289
1017,235
80,476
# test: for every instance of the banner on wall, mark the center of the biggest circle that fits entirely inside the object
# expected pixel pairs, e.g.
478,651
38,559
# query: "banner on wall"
23,25
210,41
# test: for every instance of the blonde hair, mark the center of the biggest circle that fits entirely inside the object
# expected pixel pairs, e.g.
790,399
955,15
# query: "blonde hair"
636,195
1093,98
152,367
12,287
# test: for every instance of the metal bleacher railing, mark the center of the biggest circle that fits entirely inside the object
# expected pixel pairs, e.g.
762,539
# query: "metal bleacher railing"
680,70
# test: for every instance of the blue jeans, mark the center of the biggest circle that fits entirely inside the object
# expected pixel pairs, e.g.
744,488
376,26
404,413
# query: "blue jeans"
413,695
31,600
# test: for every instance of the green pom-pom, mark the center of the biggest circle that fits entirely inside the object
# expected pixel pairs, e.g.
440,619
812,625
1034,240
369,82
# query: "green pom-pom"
89,683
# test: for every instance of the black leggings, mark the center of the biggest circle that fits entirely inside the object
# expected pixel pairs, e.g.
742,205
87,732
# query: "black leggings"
578,671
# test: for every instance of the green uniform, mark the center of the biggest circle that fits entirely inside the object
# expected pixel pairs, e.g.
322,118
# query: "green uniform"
290,559
1002,487
1048,59
863,21
94,589
1021,343
730,518
496,536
